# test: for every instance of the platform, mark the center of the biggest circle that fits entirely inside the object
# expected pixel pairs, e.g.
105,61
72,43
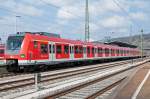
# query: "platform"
137,86
2,63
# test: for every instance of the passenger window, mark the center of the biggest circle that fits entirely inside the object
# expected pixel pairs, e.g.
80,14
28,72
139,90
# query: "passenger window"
50,50
100,50
66,49
44,48
117,51
70,50
53,48
76,50
95,50
121,51
58,48
81,50
35,44
84,49
112,52
88,50
92,50
106,51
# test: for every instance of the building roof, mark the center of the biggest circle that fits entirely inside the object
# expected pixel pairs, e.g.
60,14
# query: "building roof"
39,33
121,44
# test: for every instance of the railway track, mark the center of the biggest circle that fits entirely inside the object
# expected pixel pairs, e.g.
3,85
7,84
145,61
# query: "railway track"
89,90
10,75
5,73
14,83
56,76
82,84
106,89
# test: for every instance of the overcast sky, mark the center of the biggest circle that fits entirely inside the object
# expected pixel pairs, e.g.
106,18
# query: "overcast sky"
66,17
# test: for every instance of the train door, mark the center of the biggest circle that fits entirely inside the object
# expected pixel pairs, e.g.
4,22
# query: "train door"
52,51
71,52
84,52
33,51
96,52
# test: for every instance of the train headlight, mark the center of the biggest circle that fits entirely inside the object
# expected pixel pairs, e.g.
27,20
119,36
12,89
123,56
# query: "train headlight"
22,56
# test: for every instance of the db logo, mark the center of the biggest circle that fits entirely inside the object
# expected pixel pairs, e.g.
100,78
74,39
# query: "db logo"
11,57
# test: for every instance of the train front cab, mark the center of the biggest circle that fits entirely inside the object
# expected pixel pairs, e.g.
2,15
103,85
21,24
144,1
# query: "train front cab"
13,49
23,51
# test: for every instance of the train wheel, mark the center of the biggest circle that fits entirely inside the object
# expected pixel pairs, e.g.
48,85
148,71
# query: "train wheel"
9,69
25,69
13,68
31,69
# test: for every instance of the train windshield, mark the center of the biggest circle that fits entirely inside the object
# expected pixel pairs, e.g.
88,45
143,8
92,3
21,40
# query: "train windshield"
14,42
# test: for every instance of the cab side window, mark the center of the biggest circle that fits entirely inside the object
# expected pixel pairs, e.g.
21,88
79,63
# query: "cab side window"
44,48
35,44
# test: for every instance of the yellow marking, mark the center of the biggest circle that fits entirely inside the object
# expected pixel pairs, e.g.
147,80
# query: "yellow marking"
41,40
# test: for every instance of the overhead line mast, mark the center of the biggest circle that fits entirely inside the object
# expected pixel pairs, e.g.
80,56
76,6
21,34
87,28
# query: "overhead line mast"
87,34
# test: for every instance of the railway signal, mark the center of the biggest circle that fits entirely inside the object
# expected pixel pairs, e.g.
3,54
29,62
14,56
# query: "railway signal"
37,80
142,44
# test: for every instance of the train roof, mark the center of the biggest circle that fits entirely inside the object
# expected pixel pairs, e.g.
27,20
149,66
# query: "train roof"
42,37
76,42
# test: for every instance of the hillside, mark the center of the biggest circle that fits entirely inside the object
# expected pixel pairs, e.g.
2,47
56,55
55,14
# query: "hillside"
133,40
136,40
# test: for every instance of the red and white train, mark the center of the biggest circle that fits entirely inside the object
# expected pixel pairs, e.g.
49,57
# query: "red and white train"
31,50
2,54
2,51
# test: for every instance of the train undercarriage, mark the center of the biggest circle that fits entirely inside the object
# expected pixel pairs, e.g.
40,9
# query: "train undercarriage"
13,66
